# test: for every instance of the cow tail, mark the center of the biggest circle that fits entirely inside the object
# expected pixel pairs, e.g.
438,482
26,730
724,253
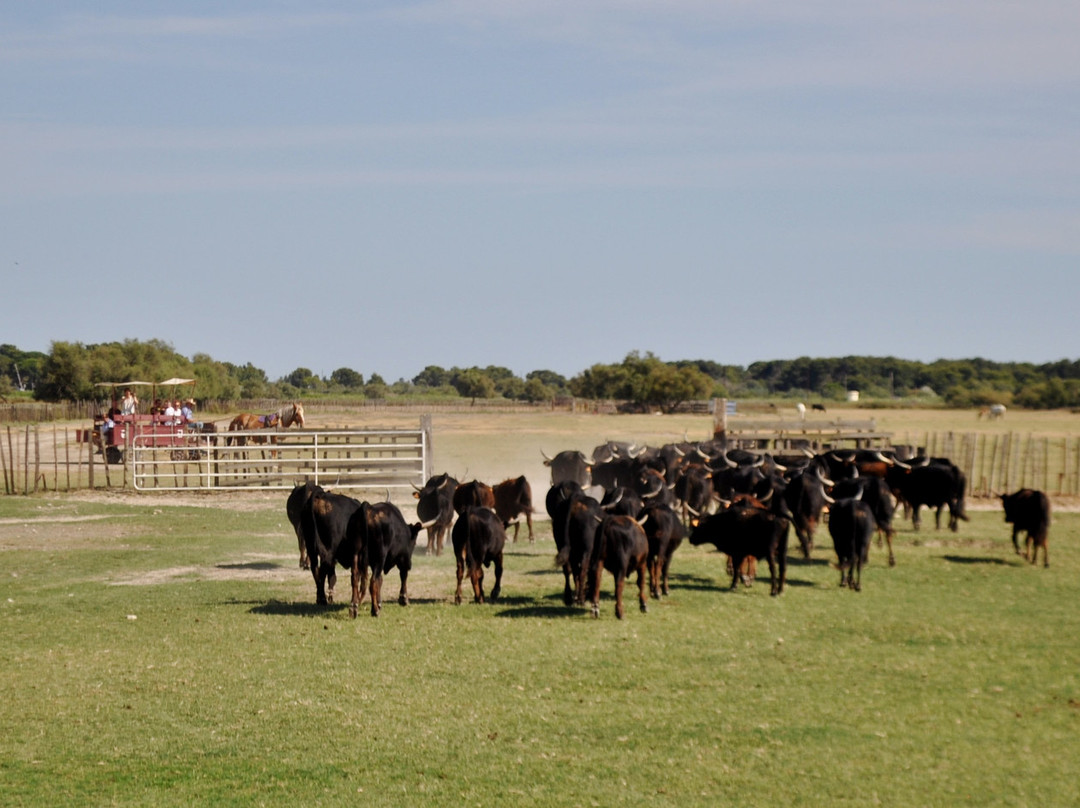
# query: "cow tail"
470,557
309,527
363,548
961,488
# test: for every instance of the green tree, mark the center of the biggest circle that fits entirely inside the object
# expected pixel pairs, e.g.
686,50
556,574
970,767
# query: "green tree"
432,376
66,374
376,387
548,378
473,383
535,390
347,378
667,386
302,379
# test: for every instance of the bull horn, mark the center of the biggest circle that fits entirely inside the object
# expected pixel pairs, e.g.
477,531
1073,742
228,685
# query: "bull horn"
417,488
696,513
426,525
547,460
901,465
612,504
767,497
828,499
887,460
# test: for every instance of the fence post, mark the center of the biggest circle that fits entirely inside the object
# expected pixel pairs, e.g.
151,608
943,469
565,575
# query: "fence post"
26,461
37,455
90,458
4,463
429,461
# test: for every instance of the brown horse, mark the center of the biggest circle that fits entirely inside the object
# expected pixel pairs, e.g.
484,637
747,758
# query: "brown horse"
247,422
283,418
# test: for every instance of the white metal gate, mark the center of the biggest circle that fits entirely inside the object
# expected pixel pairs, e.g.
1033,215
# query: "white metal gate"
279,459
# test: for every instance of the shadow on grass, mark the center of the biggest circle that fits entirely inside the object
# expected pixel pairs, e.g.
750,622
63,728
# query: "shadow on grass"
283,608
723,583
253,565
542,611
1002,562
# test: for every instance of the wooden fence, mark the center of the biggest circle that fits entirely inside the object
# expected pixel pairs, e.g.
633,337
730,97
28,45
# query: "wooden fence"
1001,463
46,457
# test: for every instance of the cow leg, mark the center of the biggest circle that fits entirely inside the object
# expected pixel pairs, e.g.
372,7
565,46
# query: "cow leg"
654,576
403,594
495,590
596,589
319,574
440,537
376,591
568,593
528,521
431,539
856,578
354,581
620,583
916,520
888,540
331,578
664,575
1016,544
736,567
460,574
476,575
581,582
304,562
937,516
642,603
517,527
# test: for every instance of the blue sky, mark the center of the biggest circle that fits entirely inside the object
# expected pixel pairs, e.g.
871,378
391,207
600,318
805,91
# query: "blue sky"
551,184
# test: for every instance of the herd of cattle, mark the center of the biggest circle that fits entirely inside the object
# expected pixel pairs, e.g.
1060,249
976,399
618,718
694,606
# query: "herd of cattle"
627,508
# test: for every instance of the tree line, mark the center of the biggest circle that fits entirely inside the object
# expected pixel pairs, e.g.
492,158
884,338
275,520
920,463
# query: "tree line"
70,370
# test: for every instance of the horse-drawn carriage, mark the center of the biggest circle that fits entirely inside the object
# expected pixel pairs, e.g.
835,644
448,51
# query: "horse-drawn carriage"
115,431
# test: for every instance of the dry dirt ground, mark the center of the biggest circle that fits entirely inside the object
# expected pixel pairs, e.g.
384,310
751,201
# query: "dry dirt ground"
469,446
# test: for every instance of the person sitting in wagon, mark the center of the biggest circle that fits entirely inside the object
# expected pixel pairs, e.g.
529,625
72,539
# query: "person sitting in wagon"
129,405
106,428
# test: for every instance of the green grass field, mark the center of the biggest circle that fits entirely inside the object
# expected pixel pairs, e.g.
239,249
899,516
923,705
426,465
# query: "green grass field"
171,654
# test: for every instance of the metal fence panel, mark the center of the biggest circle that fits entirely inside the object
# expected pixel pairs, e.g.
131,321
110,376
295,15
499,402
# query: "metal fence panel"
262,459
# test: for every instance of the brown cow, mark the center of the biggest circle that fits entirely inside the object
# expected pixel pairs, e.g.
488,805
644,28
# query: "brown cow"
513,498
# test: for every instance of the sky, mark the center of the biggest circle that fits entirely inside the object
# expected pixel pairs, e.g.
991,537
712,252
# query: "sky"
542,185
